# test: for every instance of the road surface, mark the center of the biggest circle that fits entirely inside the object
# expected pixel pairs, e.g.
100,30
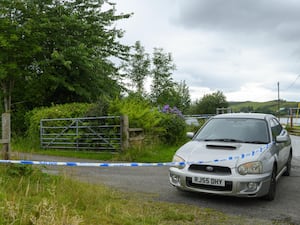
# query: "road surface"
154,181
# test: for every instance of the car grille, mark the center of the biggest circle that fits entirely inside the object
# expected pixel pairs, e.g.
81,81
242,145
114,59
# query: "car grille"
210,169
227,187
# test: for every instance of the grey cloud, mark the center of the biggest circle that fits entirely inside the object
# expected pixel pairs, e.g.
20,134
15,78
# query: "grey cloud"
220,82
241,15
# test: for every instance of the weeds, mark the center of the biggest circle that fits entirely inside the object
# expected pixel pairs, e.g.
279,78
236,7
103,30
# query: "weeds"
36,198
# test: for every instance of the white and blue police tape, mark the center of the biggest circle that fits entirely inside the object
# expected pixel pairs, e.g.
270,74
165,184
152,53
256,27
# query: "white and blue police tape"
135,164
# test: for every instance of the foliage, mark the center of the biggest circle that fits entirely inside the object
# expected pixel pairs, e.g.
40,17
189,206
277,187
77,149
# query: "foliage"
263,107
59,51
100,108
182,94
210,102
137,67
139,111
174,124
71,110
17,46
166,123
163,85
175,129
164,90
18,170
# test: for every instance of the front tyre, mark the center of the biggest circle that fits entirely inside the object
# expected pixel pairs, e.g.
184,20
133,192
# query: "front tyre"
272,189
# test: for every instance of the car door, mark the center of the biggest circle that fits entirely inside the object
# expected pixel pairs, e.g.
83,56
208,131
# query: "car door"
282,147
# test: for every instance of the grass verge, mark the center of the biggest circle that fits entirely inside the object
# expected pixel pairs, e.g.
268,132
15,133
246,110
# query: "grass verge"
155,153
31,197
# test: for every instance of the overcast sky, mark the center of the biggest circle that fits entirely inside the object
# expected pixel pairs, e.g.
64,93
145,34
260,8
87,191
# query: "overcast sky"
240,47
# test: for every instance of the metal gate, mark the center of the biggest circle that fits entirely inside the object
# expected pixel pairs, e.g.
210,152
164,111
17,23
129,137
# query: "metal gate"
90,133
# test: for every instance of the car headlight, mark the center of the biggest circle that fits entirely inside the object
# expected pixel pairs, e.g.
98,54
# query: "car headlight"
250,168
180,160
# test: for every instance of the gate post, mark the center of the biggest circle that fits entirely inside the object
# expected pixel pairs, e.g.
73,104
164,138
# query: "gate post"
125,132
6,136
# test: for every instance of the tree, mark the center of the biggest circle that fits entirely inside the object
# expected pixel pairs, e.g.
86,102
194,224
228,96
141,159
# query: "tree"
138,67
17,46
184,99
162,87
59,51
210,102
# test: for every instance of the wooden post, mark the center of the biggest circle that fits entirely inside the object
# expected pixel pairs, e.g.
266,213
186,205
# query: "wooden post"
6,135
125,132
291,117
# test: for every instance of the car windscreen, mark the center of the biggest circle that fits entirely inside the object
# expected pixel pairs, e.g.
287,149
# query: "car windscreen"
235,130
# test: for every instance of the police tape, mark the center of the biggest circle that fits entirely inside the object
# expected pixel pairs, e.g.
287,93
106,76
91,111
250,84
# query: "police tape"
135,164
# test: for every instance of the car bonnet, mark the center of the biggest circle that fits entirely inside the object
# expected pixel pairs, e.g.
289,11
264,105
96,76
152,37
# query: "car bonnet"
224,153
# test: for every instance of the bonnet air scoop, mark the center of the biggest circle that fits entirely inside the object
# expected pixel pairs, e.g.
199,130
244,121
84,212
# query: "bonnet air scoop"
221,147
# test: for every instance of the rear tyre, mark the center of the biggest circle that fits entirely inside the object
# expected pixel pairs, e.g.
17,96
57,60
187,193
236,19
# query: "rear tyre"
288,166
272,189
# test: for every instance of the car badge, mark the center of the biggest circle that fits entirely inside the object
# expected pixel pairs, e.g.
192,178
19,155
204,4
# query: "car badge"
209,168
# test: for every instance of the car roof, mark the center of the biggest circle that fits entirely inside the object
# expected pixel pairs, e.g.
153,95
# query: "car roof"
245,115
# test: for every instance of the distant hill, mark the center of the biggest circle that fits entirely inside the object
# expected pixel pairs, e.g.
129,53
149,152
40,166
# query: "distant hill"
263,107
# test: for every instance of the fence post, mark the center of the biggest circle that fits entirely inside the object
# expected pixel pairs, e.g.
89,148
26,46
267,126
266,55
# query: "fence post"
291,117
125,132
6,136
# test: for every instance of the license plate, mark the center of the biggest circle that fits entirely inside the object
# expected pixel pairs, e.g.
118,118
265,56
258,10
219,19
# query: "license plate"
209,181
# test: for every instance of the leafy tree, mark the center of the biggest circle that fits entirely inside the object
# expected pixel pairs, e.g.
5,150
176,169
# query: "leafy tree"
138,67
163,90
59,51
17,46
210,102
55,52
162,87
184,99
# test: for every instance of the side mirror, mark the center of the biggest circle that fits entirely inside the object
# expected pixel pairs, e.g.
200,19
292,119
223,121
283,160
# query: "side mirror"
282,138
190,134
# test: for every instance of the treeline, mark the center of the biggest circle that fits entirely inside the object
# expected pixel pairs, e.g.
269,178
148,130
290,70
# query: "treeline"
56,52
264,107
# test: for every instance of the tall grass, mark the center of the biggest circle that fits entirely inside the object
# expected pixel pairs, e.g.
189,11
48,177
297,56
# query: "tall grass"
30,197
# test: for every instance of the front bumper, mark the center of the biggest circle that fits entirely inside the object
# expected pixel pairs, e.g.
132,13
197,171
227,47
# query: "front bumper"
235,184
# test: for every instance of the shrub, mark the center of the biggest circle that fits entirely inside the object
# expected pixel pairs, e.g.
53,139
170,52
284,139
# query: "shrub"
139,111
71,110
174,124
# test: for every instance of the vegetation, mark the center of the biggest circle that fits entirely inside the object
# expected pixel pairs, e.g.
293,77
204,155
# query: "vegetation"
209,103
29,196
58,51
264,107
138,68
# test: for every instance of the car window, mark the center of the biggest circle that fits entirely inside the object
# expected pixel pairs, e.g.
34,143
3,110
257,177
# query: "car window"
235,129
275,127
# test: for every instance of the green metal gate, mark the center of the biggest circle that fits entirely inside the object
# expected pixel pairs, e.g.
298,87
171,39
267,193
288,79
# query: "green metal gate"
90,133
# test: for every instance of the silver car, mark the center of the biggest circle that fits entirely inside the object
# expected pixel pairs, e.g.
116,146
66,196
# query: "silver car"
236,154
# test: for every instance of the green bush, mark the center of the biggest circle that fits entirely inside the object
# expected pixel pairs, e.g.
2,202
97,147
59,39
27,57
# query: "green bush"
71,110
175,129
166,124
139,111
